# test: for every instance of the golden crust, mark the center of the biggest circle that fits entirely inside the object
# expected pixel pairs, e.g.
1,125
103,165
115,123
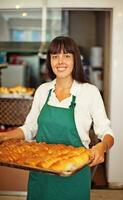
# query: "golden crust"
57,157
18,89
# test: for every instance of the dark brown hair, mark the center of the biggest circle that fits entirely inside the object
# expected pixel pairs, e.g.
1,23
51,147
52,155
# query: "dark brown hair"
68,45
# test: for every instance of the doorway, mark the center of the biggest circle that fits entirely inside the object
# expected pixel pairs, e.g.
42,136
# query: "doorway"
92,28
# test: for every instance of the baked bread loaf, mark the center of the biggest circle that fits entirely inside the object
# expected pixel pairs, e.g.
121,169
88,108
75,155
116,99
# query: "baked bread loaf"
51,157
18,89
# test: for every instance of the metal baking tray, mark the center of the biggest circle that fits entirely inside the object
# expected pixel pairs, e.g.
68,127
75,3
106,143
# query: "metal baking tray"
29,168
17,164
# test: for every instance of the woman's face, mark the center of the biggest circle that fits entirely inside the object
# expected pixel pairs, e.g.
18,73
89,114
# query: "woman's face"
62,64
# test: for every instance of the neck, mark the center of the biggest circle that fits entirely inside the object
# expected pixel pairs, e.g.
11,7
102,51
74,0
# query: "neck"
64,83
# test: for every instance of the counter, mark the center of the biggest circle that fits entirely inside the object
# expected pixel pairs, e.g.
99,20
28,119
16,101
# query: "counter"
13,111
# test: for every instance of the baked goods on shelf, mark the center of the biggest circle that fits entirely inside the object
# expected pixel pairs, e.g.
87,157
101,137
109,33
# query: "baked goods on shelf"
4,90
57,158
18,89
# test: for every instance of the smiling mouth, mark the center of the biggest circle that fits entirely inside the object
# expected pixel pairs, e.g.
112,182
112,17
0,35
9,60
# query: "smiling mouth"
61,69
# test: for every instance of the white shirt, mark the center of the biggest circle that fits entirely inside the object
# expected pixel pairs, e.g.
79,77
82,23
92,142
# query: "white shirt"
89,108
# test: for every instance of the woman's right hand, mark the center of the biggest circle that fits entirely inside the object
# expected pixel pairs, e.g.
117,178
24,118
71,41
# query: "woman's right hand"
16,133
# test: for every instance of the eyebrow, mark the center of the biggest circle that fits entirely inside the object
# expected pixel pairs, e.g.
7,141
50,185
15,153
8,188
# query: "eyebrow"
60,52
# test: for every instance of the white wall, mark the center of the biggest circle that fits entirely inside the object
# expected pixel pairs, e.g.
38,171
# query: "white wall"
22,3
115,159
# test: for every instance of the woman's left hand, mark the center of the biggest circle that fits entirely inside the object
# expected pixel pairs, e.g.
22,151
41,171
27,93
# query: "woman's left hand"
97,154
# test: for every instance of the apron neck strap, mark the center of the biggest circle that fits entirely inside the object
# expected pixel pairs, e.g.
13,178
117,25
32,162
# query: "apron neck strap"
48,95
73,102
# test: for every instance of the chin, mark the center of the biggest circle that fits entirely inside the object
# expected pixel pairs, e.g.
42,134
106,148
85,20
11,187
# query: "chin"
62,76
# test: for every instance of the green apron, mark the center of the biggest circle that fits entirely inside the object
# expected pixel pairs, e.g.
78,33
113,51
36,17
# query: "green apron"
57,125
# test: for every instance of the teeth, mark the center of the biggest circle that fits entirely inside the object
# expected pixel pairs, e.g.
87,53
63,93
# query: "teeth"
61,69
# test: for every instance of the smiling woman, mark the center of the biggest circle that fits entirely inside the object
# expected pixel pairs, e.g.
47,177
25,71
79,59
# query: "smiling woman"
62,112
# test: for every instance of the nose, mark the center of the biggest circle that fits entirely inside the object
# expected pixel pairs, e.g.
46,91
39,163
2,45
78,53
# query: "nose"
61,58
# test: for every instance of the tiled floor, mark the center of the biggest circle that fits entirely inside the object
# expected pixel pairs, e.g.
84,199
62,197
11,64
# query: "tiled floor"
95,195
107,195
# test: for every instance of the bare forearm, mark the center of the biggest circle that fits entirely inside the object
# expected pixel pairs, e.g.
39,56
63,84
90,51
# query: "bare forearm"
98,150
107,142
13,134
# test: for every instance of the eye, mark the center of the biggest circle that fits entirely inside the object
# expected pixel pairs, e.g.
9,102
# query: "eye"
54,56
67,56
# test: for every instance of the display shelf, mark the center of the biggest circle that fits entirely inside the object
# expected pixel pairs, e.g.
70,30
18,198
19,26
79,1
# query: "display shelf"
13,111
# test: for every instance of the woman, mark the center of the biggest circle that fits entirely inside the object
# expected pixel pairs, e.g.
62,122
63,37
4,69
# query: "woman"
63,112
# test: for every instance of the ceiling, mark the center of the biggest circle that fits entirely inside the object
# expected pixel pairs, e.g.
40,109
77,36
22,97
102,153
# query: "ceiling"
31,13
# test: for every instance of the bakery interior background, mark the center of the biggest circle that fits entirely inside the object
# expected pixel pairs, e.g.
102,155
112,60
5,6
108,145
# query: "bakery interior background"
22,43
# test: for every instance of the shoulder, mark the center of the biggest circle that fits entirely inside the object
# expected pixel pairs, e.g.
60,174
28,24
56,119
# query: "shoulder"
43,89
88,94
88,89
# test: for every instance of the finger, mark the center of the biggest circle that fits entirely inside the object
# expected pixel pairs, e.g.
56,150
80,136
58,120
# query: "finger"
92,157
96,161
